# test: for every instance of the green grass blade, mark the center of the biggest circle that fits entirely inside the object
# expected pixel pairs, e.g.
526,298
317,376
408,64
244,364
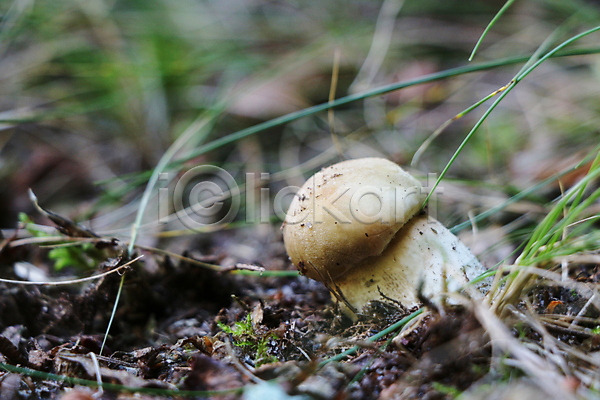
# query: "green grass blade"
363,95
492,22
548,228
141,177
509,87
533,58
392,328
199,127
594,165
554,51
467,138
557,232
488,213
114,311
521,195
116,387
443,127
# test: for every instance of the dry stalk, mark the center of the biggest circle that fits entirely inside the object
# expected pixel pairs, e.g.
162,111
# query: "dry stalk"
544,372
72,281
514,287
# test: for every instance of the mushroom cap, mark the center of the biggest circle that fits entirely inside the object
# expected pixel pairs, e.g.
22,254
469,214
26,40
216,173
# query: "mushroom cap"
347,212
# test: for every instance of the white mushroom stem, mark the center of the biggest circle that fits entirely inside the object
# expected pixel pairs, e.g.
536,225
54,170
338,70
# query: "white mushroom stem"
422,252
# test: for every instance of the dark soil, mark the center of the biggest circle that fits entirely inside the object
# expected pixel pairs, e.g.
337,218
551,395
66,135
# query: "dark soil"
181,326
175,327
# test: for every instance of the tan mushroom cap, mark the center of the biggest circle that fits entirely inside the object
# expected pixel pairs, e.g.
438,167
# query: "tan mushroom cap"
346,213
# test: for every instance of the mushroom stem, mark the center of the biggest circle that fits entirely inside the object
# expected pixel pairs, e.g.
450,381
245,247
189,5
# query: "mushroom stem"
422,252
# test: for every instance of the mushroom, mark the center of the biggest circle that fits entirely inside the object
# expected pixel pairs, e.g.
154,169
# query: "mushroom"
358,227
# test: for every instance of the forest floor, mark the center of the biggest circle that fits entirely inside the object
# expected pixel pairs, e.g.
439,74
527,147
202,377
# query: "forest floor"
110,288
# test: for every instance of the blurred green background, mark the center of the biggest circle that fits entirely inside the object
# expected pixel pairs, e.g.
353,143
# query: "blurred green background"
93,93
